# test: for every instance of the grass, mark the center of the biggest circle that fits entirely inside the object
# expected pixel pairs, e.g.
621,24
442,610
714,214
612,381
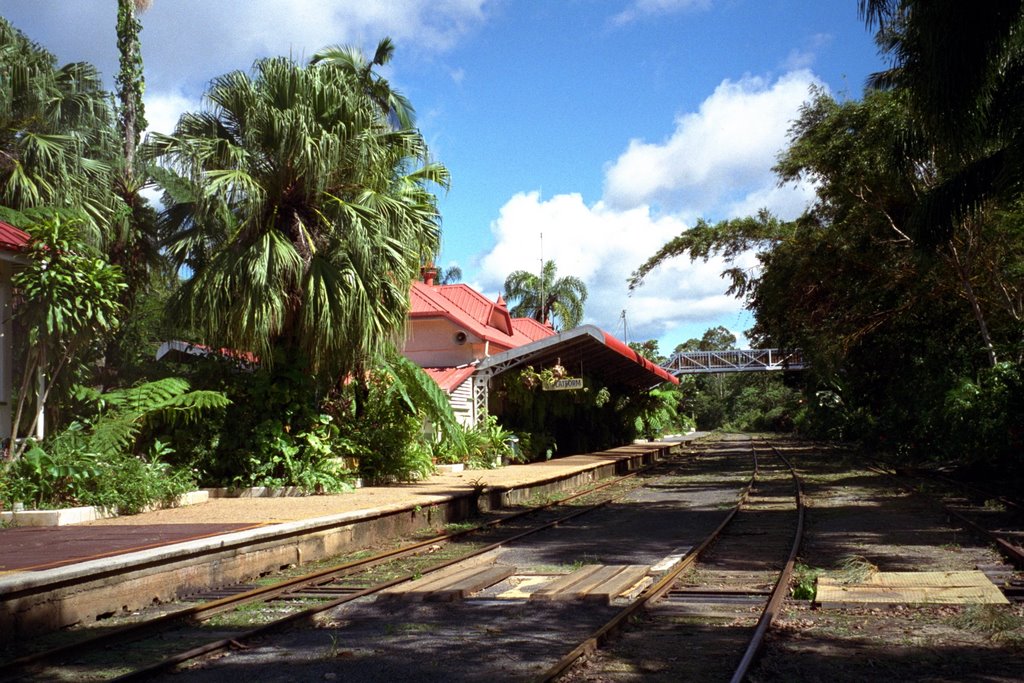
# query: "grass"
995,621
855,569
392,629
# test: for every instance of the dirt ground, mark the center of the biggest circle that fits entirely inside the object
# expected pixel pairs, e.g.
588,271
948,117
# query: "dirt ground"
858,515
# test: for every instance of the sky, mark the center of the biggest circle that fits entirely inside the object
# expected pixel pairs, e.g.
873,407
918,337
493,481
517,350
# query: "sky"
588,132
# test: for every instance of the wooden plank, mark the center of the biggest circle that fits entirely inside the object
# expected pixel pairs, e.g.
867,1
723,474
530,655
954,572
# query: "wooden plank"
485,559
428,583
625,578
483,578
555,589
581,588
891,588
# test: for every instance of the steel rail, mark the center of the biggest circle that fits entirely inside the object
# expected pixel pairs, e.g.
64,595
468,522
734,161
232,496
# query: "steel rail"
204,611
1010,550
781,586
310,612
653,592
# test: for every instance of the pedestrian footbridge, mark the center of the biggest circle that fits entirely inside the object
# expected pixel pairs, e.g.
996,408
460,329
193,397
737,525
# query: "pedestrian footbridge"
733,360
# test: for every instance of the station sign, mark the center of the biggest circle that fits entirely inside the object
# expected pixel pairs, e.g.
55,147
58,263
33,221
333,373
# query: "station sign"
564,384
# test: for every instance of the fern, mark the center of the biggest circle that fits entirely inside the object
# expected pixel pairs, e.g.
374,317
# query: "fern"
127,411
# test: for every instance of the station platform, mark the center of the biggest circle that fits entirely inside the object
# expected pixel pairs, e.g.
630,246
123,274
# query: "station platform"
52,577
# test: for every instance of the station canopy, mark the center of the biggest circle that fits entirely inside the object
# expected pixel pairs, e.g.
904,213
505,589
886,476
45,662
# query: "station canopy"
583,350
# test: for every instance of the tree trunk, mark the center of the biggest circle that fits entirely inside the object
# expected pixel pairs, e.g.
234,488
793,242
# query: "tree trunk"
979,316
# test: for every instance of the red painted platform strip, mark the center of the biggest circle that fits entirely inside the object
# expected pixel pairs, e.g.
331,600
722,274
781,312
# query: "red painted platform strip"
37,548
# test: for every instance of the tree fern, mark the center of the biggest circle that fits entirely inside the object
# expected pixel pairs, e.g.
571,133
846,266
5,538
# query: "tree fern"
125,412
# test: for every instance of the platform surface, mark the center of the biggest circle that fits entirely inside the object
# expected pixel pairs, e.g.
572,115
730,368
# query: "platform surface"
24,549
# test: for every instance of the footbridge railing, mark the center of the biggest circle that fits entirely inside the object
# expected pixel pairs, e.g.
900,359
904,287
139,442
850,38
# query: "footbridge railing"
734,360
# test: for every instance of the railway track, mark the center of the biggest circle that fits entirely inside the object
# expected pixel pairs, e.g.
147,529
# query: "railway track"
718,602
531,585
325,588
991,516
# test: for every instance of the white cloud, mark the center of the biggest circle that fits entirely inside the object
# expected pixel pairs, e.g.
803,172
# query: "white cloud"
645,8
164,109
603,246
717,164
804,58
715,156
186,43
181,32
786,201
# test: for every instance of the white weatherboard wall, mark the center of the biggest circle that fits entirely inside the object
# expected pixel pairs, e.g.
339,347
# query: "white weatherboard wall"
462,403
436,344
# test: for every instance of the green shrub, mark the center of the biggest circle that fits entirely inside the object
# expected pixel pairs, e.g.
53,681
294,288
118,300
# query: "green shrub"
488,444
67,475
111,457
383,434
310,458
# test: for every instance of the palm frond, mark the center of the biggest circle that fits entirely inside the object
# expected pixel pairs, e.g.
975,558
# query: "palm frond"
425,395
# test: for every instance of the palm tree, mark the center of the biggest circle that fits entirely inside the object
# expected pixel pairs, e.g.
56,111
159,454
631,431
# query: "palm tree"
352,62
449,275
545,298
56,138
302,212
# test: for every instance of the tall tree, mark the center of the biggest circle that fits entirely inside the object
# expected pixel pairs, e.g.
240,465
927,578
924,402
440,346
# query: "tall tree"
302,212
131,240
962,66
131,82
62,272
546,297
714,339
55,133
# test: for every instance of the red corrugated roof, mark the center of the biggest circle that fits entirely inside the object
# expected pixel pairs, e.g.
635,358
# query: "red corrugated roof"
531,328
624,349
471,310
450,379
11,238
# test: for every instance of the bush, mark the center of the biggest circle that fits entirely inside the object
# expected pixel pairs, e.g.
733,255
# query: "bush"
112,457
67,475
383,434
982,420
273,433
488,443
